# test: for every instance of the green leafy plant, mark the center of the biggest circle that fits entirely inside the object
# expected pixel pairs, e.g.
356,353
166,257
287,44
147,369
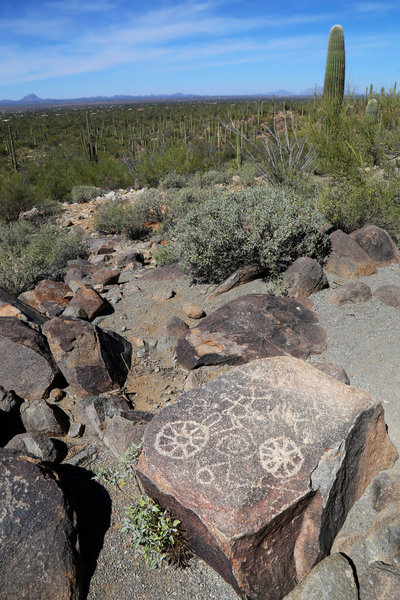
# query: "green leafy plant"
152,531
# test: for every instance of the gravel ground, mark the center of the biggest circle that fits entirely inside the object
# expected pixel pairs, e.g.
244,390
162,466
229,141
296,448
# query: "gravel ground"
363,338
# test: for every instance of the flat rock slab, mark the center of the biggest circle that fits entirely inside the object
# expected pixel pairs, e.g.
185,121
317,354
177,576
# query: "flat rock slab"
378,244
250,327
347,259
262,466
38,543
91,359
26,364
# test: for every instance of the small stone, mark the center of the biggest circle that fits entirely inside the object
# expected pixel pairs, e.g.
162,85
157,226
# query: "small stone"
333,370
138,341
56,395
152,343
163,294
194,311
347,259
353,292
76,430
106,276
141,352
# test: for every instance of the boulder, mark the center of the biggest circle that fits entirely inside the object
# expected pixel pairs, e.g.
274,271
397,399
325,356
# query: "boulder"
331,579
57,292
389,294
38,542
171,273
91,359
304,277
347,259
47,419
378,244
106,276
36,444
103,245
89,301
250,327
370,537
123,259
262,466
26,364
351,293
13,307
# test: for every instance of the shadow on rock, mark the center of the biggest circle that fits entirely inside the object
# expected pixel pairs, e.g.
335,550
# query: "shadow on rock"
92,505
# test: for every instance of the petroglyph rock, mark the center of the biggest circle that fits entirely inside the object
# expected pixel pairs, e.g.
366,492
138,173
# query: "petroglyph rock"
262,466
251,327
378,244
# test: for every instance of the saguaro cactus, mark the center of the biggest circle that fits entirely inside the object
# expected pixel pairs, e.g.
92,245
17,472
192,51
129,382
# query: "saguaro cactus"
371,112
335,66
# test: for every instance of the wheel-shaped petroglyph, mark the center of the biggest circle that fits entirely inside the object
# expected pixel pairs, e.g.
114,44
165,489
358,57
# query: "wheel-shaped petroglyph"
181,439
281,457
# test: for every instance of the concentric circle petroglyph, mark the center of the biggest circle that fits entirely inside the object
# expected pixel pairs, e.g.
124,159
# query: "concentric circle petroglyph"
281,457
181,439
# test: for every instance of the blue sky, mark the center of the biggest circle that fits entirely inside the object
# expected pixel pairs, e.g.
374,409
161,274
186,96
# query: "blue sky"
72,48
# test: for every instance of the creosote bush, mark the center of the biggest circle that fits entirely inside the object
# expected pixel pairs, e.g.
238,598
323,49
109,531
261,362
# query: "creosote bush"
85,193
29,254
262,225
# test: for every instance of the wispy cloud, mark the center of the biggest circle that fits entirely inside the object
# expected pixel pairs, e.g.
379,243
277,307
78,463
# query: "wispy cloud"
374,7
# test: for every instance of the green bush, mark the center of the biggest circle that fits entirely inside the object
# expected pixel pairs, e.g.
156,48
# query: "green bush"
174,180
85,193
370,198
29,253
262,225
16,196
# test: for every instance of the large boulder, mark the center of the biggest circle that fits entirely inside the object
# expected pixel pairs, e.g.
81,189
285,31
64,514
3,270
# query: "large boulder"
26,364
38,542
304,277
262,466
91,359
250,327
347,259
378,244
88,300
47,290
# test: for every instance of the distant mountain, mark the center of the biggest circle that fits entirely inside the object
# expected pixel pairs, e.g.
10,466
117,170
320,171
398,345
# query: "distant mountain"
280,93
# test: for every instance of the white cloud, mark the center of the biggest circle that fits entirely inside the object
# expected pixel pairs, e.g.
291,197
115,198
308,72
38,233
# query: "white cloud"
372,7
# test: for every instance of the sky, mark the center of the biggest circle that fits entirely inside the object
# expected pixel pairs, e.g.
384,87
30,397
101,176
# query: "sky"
75,48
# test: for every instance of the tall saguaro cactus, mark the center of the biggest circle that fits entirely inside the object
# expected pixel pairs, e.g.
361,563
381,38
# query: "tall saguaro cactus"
335,66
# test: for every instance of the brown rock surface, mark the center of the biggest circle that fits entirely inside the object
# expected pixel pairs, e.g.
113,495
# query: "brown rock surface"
105,276
351,293
192,310
88,300
56,291
7,300
92,360
389,294
347,258
304,277
333,370
378,244
38,543
250,327
239,277
26,364
262,466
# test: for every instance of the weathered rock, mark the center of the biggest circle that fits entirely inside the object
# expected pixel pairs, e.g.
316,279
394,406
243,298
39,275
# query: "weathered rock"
347,258
94,410
262,466
30,313
89,301
76,430
9,401
106,276
331,579
8,310
378,244
38,543
304,277
174,327
50,308
333,370
91,359
10,421
103,245
55,291
83,457
239,277
389,294
370,537
40,417
36,444
351,293
251,327
122,259
121,431
75,312
26,364
192,310
170,273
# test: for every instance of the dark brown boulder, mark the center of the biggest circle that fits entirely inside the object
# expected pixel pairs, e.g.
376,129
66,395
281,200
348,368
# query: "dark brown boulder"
378,244
91,359
353,292
262,466
304,277
250,327
56,291
347,259
90,301
26,364
389,294
38,543
105,276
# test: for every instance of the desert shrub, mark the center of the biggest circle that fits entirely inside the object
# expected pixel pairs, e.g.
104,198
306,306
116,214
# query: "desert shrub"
262,225
17,195
210,178
174,180
179,202
370,198
85,193
29,253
